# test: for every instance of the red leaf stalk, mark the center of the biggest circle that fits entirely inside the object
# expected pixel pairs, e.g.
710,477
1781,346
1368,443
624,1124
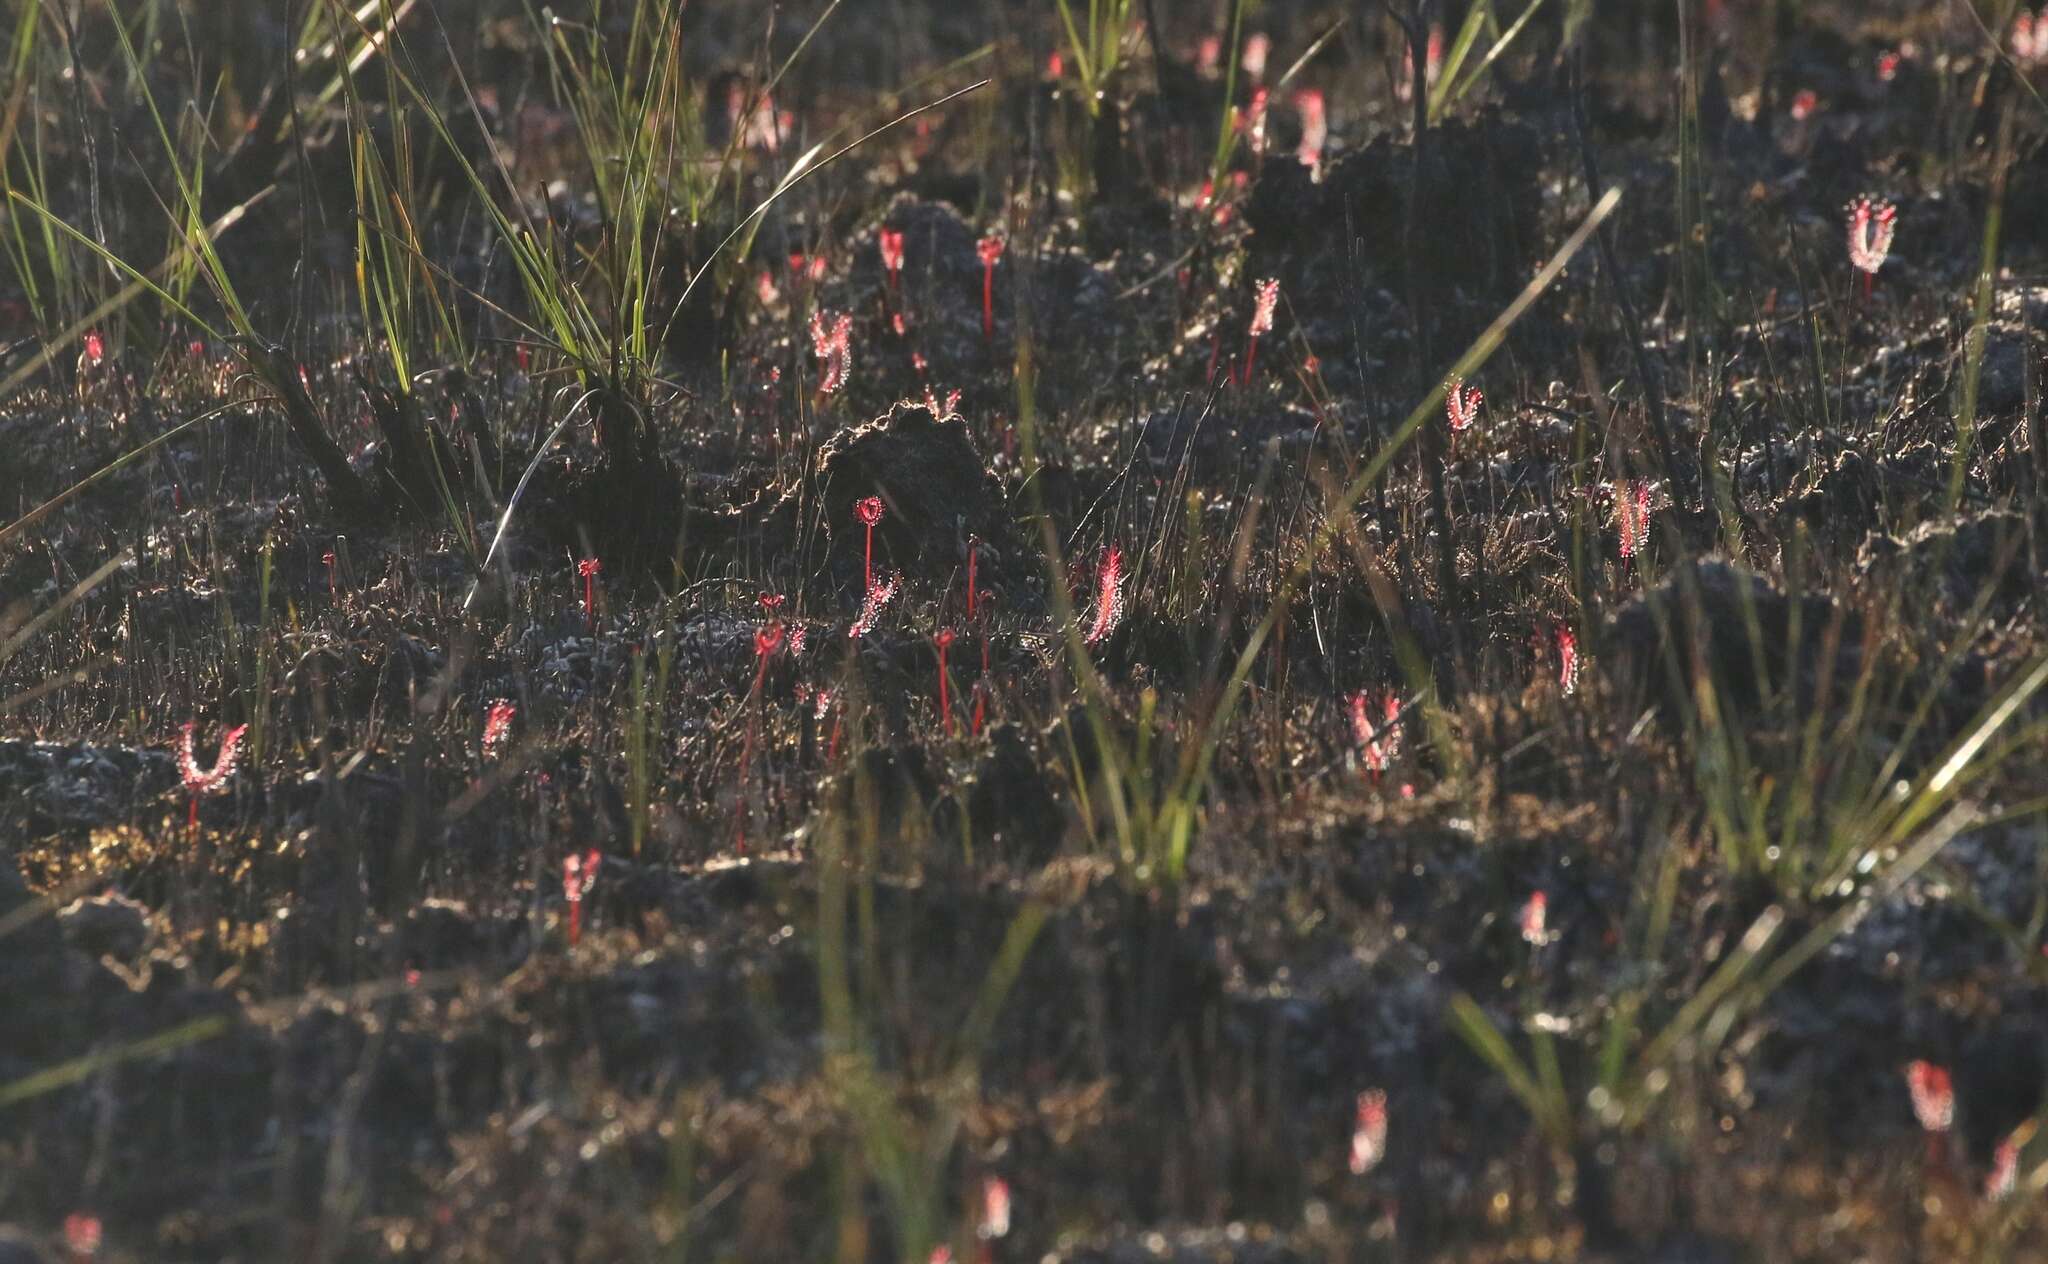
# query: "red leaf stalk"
944,640
990,249
1109,595
588,568
578,873
891,242
767,640
1262,323
869,510
211,781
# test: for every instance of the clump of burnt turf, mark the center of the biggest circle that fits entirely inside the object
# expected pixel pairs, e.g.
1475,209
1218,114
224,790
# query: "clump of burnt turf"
1750,636
939,497
1480,195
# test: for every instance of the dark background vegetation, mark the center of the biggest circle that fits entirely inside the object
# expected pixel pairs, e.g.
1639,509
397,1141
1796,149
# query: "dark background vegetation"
337,344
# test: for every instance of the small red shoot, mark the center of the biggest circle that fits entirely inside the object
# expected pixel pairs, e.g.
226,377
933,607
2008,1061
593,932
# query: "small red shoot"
2005,1168
578,873
995,1209
81,1236
1632,515
210,781
1262,323
1369,1131
1534,916
2030,37
1461,405
1567,657
1315,127
498,726
1109,595
1379,744
588,569
1871,224
833,346
891,242
869,511
1257,47
879,595
1933,1094
990,249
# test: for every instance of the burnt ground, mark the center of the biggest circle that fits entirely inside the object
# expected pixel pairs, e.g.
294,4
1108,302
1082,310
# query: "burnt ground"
847,958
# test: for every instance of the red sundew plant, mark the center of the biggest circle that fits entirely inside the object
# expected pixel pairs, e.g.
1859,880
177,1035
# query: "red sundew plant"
1933,1094
95,348
1433,64
578,874
1262,323
588,569
1871,224
767,640
1379,744
833,346
824,703
807,267
1461,405
1254,121
1632,515
2030,37
944,640
995,1209
210,781
1258,46
1109,595
765,288
942,411
990,249
891,242
2005,1165
869,510
879,595
1369,1131
1567,658
941,1254
1804,103
81,1236
498,726
1315,127
761,128
1535,914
